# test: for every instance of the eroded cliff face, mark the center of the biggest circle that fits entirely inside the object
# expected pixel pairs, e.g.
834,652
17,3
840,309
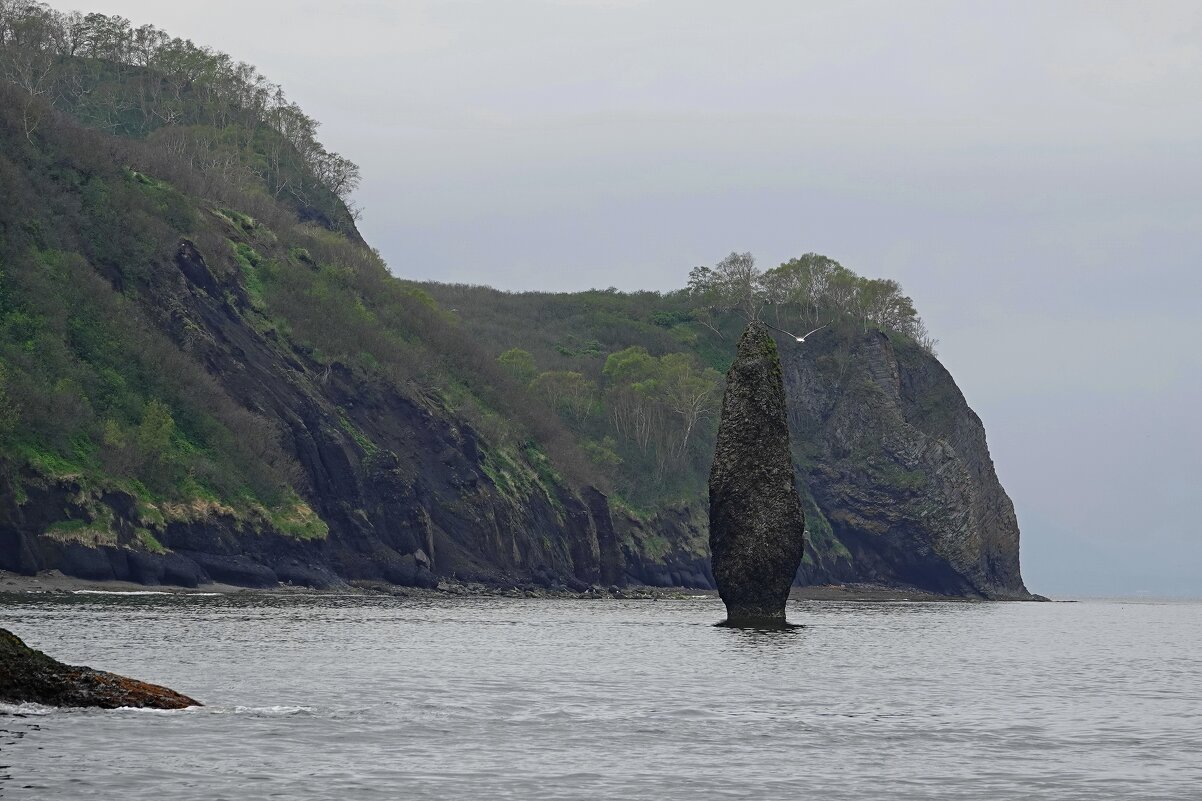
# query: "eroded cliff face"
897,464
899,486
897,481
391,483
407,490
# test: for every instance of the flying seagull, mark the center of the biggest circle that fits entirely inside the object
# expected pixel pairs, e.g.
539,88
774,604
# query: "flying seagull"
783,331
790,333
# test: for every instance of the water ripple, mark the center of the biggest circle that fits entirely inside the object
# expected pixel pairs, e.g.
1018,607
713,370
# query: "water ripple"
322,696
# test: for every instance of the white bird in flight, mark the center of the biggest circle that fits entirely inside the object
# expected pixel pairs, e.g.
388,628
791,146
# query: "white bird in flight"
801,338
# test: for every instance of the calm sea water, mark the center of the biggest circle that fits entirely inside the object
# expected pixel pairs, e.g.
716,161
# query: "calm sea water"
364,698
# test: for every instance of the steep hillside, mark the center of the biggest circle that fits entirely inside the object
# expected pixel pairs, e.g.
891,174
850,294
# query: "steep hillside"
223,399
205,374
896,475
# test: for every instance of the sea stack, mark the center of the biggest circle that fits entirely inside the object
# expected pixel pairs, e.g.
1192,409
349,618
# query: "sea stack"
757,526
29,676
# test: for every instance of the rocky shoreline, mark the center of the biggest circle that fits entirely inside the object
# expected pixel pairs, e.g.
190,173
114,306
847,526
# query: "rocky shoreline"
54,582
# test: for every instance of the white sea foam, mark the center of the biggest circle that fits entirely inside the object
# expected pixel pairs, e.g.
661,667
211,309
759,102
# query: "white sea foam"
150,710
119,592
142,592
25,709
269,711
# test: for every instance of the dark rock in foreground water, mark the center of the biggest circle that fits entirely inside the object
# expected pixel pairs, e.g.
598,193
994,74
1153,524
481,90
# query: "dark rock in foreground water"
757,527
29,676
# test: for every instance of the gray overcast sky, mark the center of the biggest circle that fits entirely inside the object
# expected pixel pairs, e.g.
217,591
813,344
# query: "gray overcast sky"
1030,171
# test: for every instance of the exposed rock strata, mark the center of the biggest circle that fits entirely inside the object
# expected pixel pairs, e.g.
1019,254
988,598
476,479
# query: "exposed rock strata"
29,676
903,489
757,527
897,482
392,474
897,479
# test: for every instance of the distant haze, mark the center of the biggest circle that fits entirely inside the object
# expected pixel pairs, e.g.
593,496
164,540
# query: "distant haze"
1030,172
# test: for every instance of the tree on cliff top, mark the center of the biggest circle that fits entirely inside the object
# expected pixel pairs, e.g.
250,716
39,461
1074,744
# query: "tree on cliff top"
809,289
733,283
194,104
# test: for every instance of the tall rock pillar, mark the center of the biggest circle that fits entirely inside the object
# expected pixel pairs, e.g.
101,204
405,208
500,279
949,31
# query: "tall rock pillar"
757,526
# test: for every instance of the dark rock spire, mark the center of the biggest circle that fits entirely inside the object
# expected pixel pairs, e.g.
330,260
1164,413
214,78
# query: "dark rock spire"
757,527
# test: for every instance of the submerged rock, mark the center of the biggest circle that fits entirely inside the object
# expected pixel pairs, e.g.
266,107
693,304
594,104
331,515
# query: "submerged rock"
757,527
29,676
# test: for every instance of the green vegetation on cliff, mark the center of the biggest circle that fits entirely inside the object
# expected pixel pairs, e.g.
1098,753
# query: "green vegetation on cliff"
209,151
191,328
117,144
637,376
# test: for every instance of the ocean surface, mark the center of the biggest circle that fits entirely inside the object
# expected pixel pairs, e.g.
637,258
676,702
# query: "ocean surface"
353,697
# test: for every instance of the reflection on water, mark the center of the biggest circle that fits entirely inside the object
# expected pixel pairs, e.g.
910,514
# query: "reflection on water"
309,697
